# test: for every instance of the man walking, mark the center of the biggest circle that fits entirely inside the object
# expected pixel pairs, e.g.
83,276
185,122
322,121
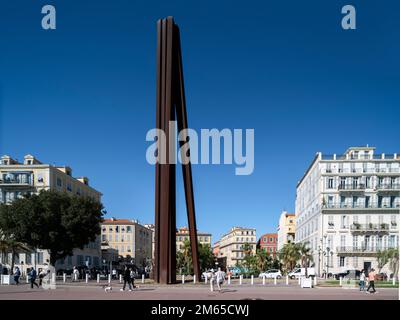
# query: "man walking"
17,275
220,277
371,278
127,278
32,277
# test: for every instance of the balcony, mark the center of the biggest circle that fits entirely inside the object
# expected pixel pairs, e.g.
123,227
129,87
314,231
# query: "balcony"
352,187
360,251
389,187
370,228
358,206
16,182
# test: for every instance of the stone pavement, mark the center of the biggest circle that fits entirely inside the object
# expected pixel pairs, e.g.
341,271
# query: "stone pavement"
82,291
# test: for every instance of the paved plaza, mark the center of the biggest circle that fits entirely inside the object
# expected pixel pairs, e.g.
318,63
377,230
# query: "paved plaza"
147,291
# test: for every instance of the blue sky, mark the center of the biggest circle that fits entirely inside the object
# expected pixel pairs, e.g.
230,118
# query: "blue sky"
83,95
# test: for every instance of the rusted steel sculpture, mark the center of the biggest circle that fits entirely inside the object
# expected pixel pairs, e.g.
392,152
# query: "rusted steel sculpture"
171,105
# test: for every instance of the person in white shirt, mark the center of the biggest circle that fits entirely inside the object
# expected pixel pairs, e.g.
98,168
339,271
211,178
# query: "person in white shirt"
362,280
220,278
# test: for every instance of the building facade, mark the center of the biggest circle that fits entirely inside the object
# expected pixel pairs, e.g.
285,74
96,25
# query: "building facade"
269,243
348,208
30,177
231,245
152,227
286,229
131,239
182,235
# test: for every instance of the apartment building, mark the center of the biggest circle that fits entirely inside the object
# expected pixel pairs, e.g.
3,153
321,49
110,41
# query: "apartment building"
286,229
182,235
152,227
269,243
348,208
30,177
131,239
231,245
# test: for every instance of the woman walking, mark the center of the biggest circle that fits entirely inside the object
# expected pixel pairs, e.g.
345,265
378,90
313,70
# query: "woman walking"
362,280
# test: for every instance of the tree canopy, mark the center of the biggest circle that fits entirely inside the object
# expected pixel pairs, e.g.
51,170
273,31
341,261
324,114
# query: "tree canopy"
53,221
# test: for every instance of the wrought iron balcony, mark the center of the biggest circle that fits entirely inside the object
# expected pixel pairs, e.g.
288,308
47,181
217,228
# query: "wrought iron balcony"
351,187
363,250
370,228
18,182
389,186
370,205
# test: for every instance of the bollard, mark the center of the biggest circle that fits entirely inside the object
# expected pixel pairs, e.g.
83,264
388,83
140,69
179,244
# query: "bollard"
287,280
183,279
64,277
394,280
299,280
86,278
211,285
98,277
75,277
315,281
252,279
274,280
53,278
206,278
229,279
109,278
240,280
27,279
340,281
194,279
263,280
142,278
120,278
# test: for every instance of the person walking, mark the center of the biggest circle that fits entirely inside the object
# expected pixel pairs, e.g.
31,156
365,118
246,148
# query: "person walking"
220,278
132,274
75,274
32,277
371,278
127,278
17,275
362,280
212,279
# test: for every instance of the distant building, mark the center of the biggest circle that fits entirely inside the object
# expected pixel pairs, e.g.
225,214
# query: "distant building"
182,235
231,245
215,248
269,243
30,177
286,229
152,227
131,239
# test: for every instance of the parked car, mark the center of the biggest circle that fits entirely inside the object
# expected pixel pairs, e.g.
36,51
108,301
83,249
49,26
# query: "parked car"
301,272
273,273
348,273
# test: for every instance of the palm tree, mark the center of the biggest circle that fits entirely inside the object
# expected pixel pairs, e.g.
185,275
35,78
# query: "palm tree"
289,255
305,255
9,245
264,260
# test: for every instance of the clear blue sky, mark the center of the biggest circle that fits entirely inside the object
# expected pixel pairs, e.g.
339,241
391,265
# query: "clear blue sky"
84,94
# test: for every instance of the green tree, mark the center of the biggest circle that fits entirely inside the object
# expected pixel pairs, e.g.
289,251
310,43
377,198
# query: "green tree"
393,255
264,260
382,258
289,255
52,221
9,245
184,263
305,255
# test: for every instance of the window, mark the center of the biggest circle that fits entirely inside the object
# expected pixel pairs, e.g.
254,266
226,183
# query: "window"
103,237
40,257
117,229
330,183
128,229
341,261
116,238
59,182
271,239
330,222
28,258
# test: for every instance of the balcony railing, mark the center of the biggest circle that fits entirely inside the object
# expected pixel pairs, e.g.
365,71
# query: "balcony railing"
370,227
351,186
362,249
371,205
15,181
388,186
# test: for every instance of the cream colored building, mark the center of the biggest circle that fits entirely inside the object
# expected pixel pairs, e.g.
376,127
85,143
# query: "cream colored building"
231,245
286,229
183,234
30,177
152,227
130,238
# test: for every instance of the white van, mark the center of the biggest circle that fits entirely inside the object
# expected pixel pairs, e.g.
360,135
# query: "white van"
301,272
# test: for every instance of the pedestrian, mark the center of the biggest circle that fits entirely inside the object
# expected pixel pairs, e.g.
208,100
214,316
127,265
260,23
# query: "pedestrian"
362,280
220,278
132,274
42,274
212,279
127,278
32,277
371,278
114,274
17,275
75,274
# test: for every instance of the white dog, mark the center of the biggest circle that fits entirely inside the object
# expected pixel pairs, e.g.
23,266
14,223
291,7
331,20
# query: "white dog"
107,288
